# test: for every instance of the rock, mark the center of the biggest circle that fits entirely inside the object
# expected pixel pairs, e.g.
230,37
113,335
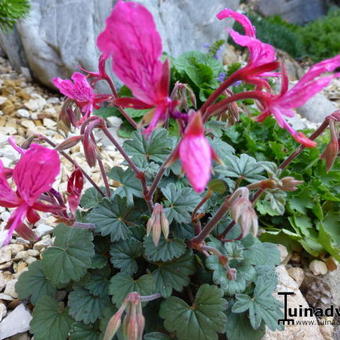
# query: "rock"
22,336
318,267
296,331
317,108
3,310
5,254
10,288
22,113
36,104
6,297
16,248
43,229
295,11
2,281
17,321
44,243
30,260
54,44
297,274
284,255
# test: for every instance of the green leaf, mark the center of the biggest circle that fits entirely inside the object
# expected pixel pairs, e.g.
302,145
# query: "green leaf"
97,282
174,274
86,307
156,336
50,320
166,250
156,147
113,218
122,284
71,255
263,253
201,321
273,203
124,254
129,185
33,284
106,112
223,149
239,327
90,199
180,203
80,331
244,167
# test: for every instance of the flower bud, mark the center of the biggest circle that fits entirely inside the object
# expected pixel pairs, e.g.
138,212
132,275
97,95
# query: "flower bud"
69,143
75,186
232,274
332,149
289,183
69,115
157,224
181,93
115,322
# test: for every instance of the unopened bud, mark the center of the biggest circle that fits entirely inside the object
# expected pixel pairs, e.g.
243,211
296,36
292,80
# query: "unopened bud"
289,183
332,149
114,323
232,274
133,323
69,143
184,95
69,115
157,223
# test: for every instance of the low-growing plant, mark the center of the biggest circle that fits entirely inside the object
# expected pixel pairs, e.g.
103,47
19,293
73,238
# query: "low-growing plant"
11,11
171,252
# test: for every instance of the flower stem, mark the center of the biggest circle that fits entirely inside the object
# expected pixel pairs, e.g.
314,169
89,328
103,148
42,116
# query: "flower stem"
104,176
147,298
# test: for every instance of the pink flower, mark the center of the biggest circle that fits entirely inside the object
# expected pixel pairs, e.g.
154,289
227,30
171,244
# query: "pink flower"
81,92
259,52
311,83
132,40
196,154
75,186
33,175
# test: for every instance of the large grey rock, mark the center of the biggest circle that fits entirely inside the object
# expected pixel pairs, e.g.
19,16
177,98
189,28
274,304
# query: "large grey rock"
295,11
317,108
58,36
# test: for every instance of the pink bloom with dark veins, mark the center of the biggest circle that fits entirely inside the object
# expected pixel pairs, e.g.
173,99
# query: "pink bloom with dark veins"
196,154
33,175
260,53
282,105
81,92
133,42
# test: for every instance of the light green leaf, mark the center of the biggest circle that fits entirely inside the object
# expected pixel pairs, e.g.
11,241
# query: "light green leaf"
122,284
166,249
33,284
201,321
174,274
273,203
71,255
86,307
124,254
50,320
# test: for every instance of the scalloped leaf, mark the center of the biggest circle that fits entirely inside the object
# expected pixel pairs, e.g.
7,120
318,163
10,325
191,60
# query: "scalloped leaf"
122,284
91,198
201,321
174,274
70,256
33,284
124,254
167,249
50,320
80,331
86,307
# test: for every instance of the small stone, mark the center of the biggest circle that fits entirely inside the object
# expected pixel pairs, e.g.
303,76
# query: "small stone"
297,274
3,310
49,123
8,130
16,248
2,281
28,124
43,229
17,321
30,260
42,244
284,255
22,113
6,297
318,267
22,255
3,100
6,265
21,336
10,288
53,100
5,254
35,104
21,266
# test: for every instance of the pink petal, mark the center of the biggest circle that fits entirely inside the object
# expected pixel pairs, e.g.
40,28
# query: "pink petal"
15,221
249,29
8,198
131,102
132,40
35,172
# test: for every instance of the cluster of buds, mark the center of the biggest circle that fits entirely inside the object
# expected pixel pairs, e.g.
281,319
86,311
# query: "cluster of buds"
288,183
242,211
157,224
133,323
184,96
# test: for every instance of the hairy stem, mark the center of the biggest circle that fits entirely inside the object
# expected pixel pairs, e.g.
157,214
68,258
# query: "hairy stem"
104,176
147,298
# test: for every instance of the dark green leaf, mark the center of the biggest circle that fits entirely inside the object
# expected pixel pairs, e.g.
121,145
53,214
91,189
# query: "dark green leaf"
201,321
90,199
33,284
122,284
174,274
80,331
166,249
50,320
180,203
70,256
129,187
124,254
156,336
86,307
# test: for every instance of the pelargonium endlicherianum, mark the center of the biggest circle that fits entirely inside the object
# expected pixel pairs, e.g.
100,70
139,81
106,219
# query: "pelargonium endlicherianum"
161,256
